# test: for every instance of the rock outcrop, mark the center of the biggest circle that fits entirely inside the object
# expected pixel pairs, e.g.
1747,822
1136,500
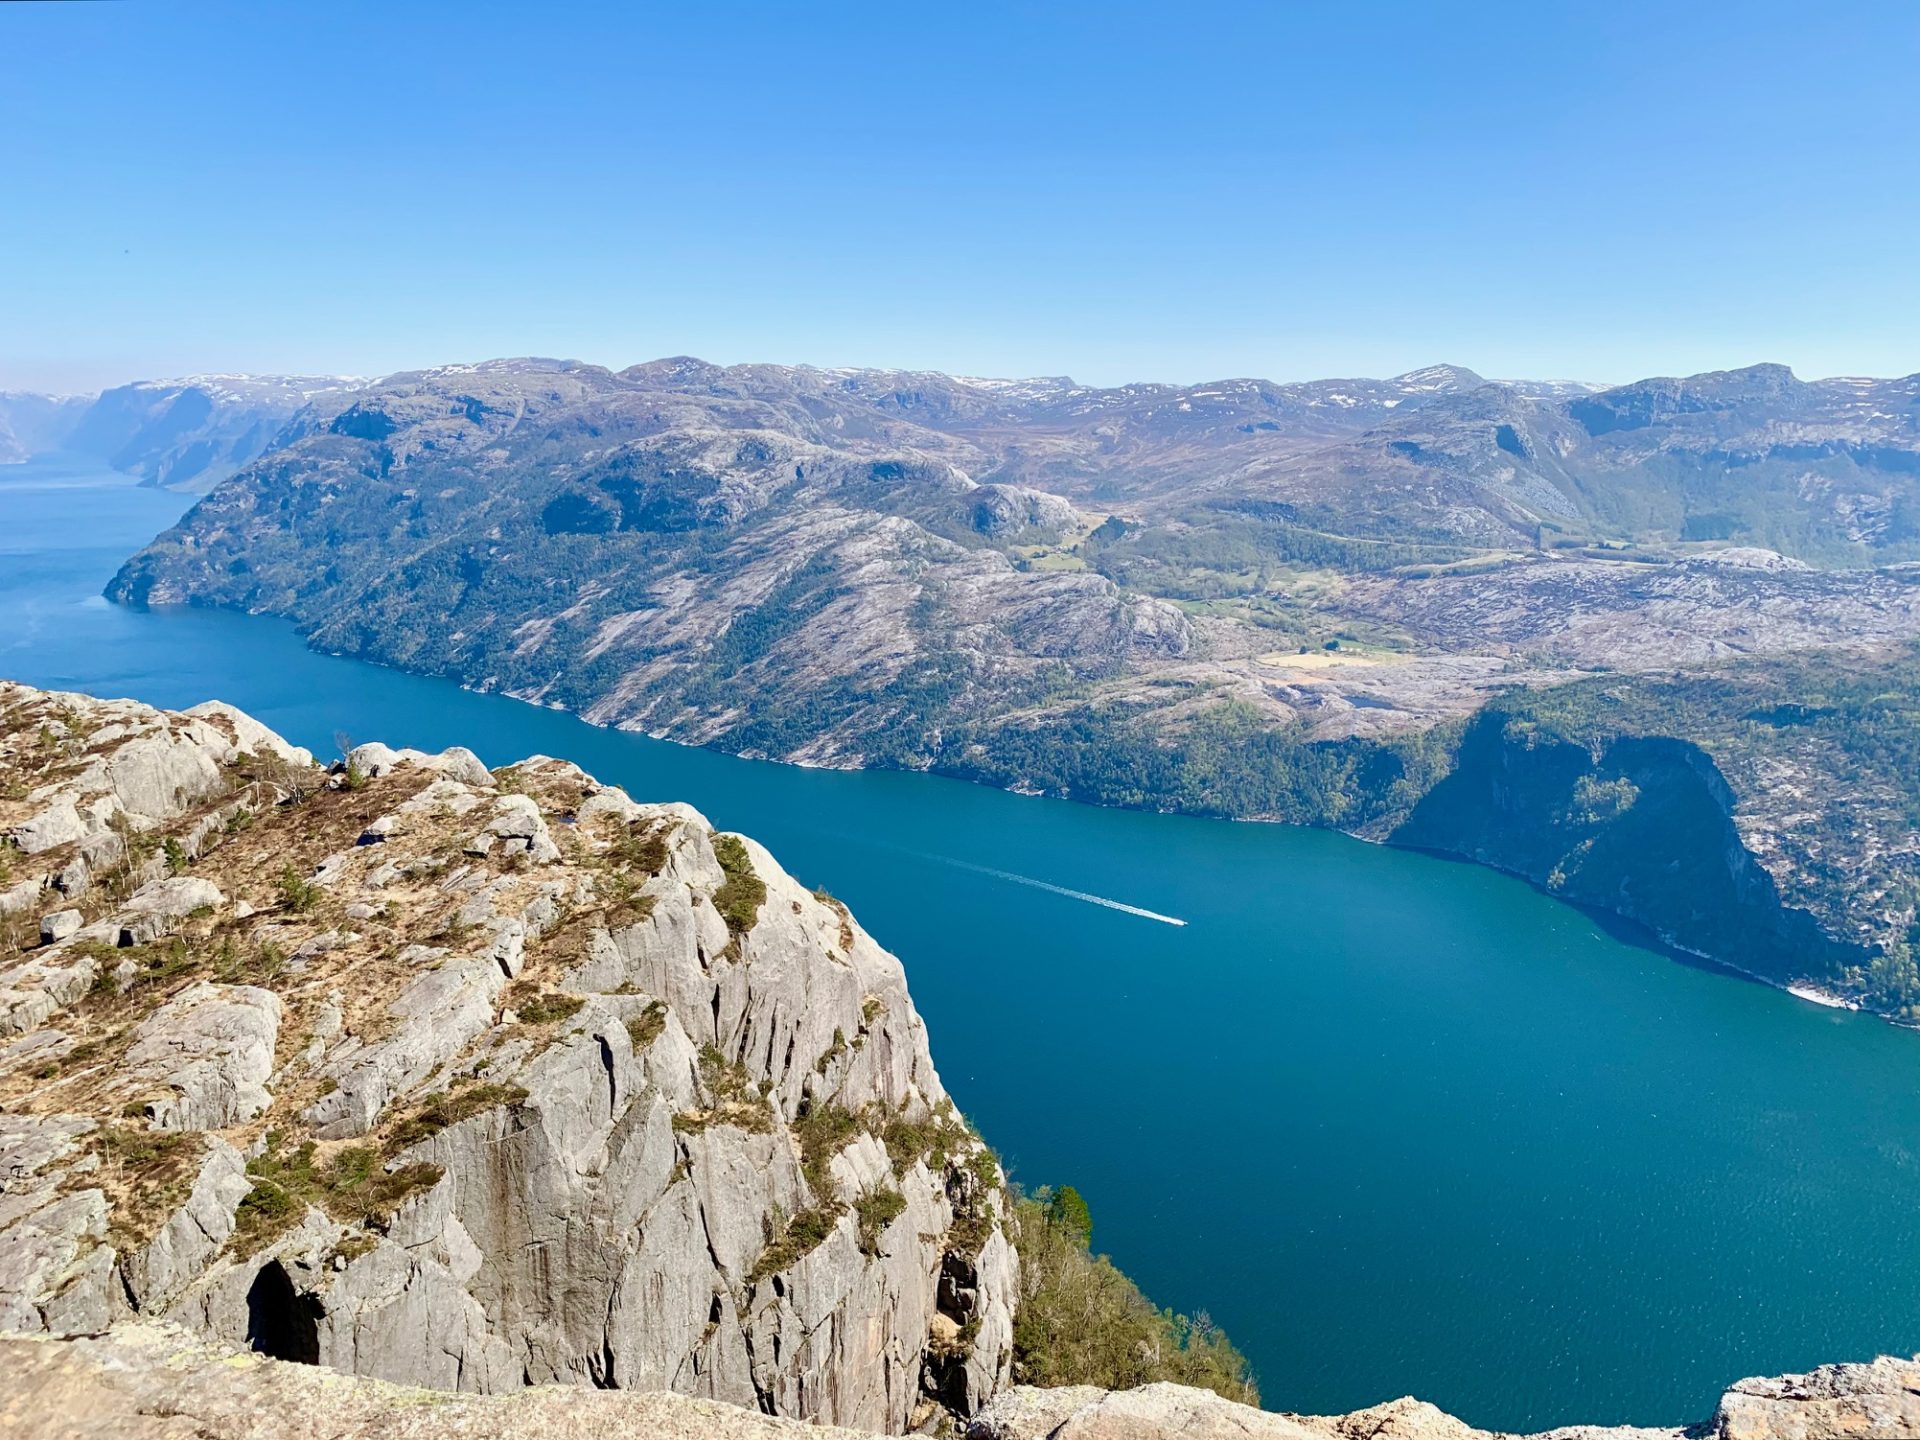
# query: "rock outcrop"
466,1080
1878,1401
157,1382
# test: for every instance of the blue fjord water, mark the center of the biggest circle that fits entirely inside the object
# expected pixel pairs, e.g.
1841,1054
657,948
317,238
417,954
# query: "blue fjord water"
1399,1125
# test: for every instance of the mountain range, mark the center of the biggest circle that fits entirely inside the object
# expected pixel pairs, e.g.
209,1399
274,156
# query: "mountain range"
1322,603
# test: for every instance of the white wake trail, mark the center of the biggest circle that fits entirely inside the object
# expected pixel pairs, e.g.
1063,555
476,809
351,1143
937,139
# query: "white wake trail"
1053,889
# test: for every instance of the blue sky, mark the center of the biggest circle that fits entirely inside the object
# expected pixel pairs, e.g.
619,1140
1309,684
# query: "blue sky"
1112,191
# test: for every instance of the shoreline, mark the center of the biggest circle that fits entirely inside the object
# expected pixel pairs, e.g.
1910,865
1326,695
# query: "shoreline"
1648,936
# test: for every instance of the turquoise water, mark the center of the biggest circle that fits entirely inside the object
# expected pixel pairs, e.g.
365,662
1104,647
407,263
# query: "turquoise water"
1399,1125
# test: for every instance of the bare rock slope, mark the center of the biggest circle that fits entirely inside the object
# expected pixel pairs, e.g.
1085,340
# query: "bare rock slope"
467,1080
155,1382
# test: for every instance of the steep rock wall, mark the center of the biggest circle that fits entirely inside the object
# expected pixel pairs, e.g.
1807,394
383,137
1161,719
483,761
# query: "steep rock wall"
1642,828
467,1081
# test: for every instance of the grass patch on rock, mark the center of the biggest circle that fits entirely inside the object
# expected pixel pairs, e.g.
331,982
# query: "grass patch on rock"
737,1101
442,1109
876,1210
646,1027
535,1006
789,1244
351,1185
823,1129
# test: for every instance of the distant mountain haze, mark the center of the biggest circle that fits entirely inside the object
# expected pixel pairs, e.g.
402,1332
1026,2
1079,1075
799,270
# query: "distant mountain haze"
185,434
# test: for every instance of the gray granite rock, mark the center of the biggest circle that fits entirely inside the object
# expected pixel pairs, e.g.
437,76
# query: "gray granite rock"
157,908
58,925
571,1091
193,1236
55,1266
212,1047
148,1381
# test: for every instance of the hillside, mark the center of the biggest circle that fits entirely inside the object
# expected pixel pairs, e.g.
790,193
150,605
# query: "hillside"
1277,602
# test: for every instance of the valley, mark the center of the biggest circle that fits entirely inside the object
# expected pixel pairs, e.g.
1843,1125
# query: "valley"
995,722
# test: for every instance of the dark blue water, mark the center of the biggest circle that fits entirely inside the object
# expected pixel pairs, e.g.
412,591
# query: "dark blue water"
1399,1125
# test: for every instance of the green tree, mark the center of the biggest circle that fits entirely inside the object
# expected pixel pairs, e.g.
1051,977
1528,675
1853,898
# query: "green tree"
1079,1321
1068,1210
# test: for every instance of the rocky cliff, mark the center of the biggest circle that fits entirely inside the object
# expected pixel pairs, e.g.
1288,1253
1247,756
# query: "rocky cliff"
1641,827
467,1080
146,1382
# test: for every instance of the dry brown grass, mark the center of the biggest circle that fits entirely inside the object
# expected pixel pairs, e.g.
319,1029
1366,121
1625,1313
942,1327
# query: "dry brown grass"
245,841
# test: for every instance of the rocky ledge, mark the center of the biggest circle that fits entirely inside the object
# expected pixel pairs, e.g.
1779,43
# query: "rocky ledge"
157,1382
460,1079
1880,1401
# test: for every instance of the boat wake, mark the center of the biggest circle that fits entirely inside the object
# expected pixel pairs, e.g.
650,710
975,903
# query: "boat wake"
1052,889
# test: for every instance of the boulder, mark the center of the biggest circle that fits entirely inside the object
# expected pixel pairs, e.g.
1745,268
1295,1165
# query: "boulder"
57,925
250,736
455,763
157,908
212,1047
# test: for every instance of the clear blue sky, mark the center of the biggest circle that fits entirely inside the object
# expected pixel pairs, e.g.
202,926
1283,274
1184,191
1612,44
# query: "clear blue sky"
1112,191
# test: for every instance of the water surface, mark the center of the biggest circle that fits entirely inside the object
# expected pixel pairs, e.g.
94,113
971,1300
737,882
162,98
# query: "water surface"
1400,1125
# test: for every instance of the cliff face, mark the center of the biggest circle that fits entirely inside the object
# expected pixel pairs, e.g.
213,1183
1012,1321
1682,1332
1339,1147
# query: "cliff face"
466,1080
146,1382
1642,827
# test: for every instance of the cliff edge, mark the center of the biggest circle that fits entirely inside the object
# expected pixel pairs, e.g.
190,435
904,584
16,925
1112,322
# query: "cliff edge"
155,1382
467,1080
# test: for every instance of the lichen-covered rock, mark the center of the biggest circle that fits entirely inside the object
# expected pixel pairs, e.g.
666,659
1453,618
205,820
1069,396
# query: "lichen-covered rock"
1835,1402
456,763
473,1084
158,908
89,774
192,1236
159,1382
58,925
432,1019
54,1269
249,734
